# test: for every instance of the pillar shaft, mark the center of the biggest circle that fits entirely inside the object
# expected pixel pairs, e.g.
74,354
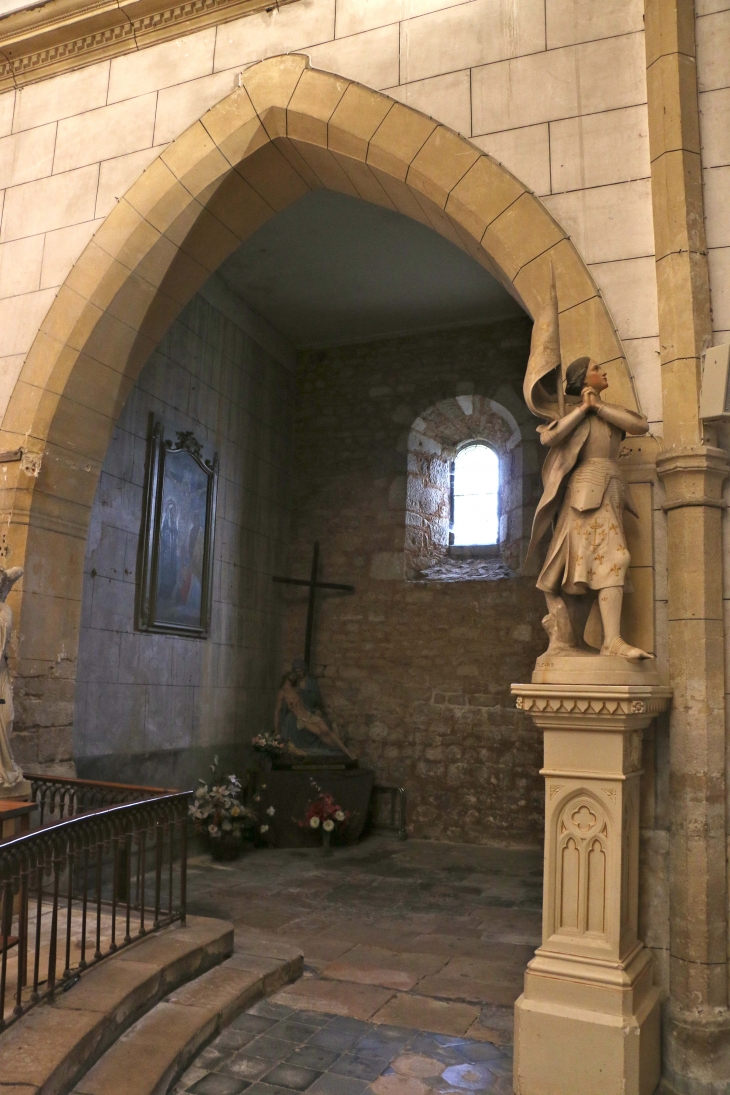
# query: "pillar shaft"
697,1024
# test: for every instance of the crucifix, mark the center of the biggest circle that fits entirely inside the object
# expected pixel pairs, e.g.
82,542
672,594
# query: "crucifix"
314,585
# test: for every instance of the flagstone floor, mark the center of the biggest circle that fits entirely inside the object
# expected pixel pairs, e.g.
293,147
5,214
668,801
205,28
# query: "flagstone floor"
414,954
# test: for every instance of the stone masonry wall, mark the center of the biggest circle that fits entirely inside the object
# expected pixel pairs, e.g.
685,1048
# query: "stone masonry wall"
417,674
155,708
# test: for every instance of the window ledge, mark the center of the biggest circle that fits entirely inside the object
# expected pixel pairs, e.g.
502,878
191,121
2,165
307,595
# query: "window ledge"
447,569
474,551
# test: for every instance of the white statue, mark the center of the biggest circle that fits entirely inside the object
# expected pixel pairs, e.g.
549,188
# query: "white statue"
583,500
12,782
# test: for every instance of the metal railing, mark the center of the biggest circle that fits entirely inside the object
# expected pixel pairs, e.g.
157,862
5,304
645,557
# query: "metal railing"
60,797
74,892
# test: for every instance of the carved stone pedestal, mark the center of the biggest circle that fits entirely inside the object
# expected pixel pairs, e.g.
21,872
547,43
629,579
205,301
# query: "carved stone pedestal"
587,1022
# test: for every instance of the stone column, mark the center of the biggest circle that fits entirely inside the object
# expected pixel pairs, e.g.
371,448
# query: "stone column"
588,1020
697,1019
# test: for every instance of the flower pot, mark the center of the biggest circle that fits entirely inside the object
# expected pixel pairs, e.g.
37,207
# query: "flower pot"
326,842
227,847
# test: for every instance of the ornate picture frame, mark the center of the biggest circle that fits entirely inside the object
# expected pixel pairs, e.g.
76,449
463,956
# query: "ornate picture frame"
175,587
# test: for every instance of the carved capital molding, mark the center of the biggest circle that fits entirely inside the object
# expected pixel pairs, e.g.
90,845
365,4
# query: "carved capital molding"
64,34
693,476
591,707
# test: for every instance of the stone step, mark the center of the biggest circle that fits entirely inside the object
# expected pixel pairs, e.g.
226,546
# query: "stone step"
49,1050
150,1056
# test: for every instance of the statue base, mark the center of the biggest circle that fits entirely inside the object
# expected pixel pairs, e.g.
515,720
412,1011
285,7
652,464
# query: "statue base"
587,1022
587,1029
600,669
21,789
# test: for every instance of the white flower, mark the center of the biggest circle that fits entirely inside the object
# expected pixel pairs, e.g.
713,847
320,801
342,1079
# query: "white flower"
329,825
314,822
213,830
271,811
201,792
339,816
264,828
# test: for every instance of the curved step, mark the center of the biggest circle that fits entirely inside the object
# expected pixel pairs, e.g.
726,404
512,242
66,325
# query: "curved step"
149,1057
49,1049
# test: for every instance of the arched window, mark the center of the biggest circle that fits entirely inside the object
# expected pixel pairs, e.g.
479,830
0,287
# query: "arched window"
475,495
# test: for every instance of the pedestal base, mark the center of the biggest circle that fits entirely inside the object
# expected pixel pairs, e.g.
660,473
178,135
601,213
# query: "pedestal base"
563,1050
588,1020
21,789
596,669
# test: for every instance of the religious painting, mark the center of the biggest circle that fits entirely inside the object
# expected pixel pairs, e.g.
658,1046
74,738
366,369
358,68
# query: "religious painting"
175,590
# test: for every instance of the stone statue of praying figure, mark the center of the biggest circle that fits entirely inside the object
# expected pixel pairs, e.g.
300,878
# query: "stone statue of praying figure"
12,782
584,495
300,718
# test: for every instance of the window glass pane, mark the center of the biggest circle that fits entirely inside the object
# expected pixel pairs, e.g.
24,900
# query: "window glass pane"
476,496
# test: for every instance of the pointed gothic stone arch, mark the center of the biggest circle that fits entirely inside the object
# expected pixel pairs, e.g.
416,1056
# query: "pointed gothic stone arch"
287,129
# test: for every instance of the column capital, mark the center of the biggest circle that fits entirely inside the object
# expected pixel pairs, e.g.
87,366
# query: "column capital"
693,476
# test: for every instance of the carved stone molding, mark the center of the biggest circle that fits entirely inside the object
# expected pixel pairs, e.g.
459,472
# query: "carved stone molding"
619,707
63,34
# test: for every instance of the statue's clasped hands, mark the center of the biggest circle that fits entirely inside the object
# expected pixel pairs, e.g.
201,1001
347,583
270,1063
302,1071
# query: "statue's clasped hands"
590,401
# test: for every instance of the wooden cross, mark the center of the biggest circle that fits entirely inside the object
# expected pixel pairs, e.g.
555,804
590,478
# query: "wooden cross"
314,585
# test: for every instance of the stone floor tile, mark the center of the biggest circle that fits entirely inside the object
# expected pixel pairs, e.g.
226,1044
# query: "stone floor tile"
423,1013
273,1049
472,1076
503,993
400,1085
291,1076
255,1024
316,1057
430,1045
495,1024
358,1066
418,1065
260,1088
244,1067
231,1039
480,1051
330,1038
270,1010
328,1084
380,966
215,1084
358,1001
314,1019
292,1031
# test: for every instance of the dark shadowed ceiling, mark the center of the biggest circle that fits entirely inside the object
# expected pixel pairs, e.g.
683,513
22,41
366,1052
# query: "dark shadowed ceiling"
332,269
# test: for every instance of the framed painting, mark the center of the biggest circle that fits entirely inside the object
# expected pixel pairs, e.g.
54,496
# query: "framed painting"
175,590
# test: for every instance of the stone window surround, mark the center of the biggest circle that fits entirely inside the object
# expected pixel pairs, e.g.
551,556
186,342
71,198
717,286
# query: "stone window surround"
434,439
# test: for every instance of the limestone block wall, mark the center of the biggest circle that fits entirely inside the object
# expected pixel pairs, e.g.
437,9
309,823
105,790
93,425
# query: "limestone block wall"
713,66
417,674
155,708
555,89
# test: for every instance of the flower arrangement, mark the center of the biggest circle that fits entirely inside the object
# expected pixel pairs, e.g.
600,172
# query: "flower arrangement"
217,809
269,745
325,812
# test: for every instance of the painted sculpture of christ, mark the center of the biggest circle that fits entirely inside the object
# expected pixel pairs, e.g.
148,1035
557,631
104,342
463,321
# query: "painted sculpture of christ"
584,497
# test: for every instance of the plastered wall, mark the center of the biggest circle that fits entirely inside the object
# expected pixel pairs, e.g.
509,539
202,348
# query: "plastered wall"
155,708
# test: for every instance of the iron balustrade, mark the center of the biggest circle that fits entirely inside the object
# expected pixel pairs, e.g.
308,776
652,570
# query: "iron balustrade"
73,893
61,797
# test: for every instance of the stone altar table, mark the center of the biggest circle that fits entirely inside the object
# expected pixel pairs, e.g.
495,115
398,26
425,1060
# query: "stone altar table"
587,1022
289,791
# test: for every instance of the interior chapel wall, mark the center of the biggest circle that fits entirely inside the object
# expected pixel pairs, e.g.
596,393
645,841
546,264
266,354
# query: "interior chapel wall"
417,674
155,708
